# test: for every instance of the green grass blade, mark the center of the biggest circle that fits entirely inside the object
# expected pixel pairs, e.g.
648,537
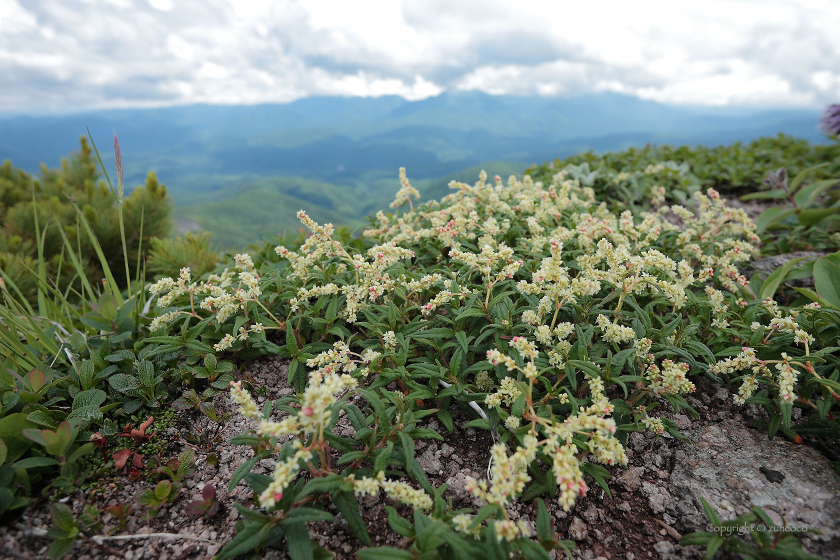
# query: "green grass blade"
42,268
109,278
11,283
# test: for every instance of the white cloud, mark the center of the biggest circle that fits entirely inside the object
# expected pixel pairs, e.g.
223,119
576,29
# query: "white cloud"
162,5
73,54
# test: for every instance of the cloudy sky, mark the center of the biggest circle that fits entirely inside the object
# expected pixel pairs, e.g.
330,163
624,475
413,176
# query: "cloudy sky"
66,55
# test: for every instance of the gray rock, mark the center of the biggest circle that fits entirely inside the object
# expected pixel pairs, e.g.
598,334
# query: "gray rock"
577,530
631,478
591,514
664,548
429,461
725,468
657,496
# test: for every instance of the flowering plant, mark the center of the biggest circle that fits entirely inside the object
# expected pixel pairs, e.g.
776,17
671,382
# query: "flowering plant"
556,321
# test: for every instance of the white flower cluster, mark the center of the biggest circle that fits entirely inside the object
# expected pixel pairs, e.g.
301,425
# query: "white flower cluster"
670,379
221,297
406,191
507,393
613,332
510,473
321,392
786,379
654,424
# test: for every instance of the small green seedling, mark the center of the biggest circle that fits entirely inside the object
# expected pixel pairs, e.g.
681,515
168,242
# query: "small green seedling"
165,492
769,539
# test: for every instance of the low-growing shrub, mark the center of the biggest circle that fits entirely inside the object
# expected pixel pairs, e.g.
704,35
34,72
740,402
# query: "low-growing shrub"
40,216
532,306
736,166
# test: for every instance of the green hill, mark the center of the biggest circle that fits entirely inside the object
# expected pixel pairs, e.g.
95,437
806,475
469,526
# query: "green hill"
247,211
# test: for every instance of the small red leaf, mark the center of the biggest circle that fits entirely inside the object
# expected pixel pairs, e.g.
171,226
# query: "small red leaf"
214,509
196,507
138,461
208,492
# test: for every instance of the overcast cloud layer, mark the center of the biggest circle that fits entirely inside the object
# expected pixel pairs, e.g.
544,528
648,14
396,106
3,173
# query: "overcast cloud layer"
69,55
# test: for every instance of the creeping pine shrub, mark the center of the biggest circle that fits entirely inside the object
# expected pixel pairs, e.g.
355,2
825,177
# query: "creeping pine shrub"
557,324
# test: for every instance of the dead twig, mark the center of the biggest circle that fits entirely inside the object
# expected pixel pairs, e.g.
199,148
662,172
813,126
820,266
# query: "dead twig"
670,530
98,539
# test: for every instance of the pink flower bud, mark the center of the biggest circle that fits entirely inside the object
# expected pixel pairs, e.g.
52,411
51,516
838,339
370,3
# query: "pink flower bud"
307,411
278,496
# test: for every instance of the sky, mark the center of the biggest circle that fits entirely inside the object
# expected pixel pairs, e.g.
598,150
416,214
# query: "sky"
71,55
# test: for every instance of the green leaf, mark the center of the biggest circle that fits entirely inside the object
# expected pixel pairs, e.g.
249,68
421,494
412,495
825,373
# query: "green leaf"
291,341
86,372
62,516
250,537
321,553
245,439
398,524
827,281
162,489
91,397
493,547
59,548
33,462
711,515
810,193
11,432
381,462
297,376
207,408
81,451
41,418
532,550
244,469
322,485
346,503
713,545
588,367
300,547
123,382
814,216
599,473
518,406
146,372
544,531
384,553
771,216
425,433
357,418
768,289
446,419
120,356
305,515
481,423
761,195
800,177
485,512
460,546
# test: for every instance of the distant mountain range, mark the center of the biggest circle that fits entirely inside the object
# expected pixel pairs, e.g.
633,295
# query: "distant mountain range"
340,155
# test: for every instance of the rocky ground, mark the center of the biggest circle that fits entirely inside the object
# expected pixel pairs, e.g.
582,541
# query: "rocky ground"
652,502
